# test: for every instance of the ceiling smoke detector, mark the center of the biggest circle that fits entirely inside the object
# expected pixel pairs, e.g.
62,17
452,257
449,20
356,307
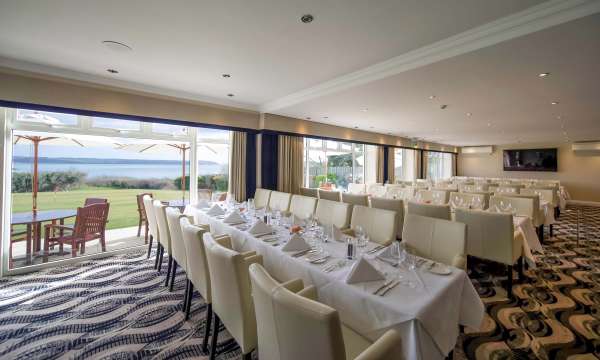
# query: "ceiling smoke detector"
308,18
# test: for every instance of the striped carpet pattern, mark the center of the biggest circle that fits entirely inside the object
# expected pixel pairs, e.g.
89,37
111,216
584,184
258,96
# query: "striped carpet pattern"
112,308
119,308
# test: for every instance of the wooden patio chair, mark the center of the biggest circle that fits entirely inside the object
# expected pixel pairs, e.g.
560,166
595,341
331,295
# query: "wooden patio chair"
143,219
92,201
15,237
90,224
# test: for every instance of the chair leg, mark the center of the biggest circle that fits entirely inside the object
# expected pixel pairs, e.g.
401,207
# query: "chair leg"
146,231
551,227
103,243
247,356
139,227
82,248
450,355
185,296
509,283
169,267
173,272
149,247
157,255
73,248
160,260
209,315
520,268
188,300
215,337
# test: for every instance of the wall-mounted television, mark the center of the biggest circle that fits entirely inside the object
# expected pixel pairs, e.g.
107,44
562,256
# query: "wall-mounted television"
530,160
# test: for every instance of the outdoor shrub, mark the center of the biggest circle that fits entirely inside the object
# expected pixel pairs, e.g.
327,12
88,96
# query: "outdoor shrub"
48,181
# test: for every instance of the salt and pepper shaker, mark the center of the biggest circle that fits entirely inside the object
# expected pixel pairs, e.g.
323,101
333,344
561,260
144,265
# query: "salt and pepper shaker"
351,249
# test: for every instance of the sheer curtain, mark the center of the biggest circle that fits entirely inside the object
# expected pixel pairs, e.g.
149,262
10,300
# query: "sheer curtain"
391,165
291,161
237,165
380,164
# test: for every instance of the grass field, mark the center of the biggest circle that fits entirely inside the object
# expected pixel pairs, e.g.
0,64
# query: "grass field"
123,206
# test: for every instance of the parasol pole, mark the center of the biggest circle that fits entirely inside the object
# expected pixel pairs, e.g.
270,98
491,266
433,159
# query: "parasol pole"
36,145
183,174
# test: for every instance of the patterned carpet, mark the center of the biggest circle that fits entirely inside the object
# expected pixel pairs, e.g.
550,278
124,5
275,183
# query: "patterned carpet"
118,308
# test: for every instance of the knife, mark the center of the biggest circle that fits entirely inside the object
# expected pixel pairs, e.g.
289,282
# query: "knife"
390,287
385,284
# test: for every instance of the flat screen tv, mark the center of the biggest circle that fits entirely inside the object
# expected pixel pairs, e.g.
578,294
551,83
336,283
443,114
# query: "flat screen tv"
530,160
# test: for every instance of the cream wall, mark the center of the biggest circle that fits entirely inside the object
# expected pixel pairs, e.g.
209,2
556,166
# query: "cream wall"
579,172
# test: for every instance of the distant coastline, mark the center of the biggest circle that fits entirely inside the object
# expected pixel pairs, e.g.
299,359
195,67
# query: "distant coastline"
74,161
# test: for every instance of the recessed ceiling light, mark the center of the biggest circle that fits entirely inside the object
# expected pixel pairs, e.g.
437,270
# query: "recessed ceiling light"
230,95
554,103
112,71
116,46
544,74
325,117
308,118
356,127
226,76
469,114
364,109
489,124
308,18
431,97
559,117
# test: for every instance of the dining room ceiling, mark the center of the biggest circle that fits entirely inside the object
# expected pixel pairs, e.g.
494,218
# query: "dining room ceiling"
355,65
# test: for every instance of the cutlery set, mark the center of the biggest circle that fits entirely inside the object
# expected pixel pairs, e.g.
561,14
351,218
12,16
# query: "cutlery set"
376,249
387,286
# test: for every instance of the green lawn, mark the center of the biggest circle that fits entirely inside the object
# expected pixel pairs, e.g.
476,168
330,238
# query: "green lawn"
123,206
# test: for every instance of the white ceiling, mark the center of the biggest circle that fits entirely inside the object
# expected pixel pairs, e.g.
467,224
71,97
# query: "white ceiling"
181,48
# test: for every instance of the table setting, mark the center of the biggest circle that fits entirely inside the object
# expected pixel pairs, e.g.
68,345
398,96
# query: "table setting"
373,287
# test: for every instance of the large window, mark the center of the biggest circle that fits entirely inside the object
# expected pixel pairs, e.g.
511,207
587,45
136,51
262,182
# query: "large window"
73,158
334,164
438,165
405,164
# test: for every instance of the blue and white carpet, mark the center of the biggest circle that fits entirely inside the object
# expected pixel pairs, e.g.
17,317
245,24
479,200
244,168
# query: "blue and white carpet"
112,308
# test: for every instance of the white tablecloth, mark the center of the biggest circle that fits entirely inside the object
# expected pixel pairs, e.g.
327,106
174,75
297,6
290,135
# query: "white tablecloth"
427,317
524,225
547,211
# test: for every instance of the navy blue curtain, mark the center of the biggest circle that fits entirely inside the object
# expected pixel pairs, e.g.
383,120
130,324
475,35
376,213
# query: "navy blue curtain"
386,154
250,164
269,161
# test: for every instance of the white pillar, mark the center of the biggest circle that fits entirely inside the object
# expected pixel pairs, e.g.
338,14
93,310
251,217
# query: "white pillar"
193,133
6,118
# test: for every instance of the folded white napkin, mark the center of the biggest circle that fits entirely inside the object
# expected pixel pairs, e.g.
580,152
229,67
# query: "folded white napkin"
296,243
363,271
202,204
337,234
215,210
260,228
234,218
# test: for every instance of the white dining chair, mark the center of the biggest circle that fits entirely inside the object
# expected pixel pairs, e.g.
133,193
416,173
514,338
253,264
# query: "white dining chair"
311,192
396,205
293,325
303,207
355,199
358,189
379,224
438,197
491,236
197,271
261,198
429,210
469,200
280,201
230,291
436,239
336,213
177,245
330,195
160,211
152,226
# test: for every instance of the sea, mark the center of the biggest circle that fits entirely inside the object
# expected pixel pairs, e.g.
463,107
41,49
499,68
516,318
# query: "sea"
133,170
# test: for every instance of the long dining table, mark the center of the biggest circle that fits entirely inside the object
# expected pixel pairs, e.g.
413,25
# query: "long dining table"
427,310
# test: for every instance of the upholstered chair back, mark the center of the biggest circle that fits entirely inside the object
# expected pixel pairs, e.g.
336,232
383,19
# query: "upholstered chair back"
303,206
406,194
433,196
490,235
151,217
470,199
177,245
429,210
355,199
293,325
522,205
309,192
506,189
548,195
396,205
197,266
280,201
436,239
160,211
379,224
359,189
330,195
261,198
230,289
333,213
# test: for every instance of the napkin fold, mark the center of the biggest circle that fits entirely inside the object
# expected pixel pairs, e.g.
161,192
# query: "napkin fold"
260,228
336,233
296,243
363,271
215,210
234,218
202,204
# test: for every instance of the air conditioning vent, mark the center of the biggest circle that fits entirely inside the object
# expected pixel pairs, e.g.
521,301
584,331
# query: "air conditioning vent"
592,146
480,150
